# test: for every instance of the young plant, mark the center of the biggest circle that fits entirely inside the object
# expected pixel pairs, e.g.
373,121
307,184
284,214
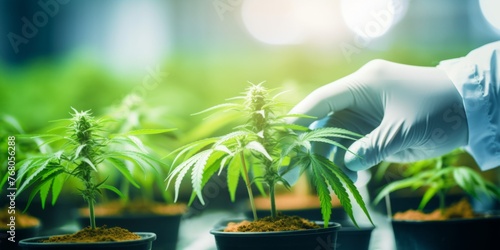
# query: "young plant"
84,147
439,175
266,147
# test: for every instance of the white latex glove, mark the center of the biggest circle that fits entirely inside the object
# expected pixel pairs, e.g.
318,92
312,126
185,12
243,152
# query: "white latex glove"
407,113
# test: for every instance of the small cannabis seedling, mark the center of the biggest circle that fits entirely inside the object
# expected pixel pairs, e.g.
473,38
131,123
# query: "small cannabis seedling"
437,176
266,147
84,148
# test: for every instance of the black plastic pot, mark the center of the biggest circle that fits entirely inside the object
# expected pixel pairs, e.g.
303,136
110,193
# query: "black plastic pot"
350,237
166,227
477,233
145,243
322,238
20,234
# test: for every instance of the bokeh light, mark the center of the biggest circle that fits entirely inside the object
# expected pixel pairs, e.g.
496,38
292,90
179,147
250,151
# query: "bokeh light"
138,36
372,18
291,21
490,10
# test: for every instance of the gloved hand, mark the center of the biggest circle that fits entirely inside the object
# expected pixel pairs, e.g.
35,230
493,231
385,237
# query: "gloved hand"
406,113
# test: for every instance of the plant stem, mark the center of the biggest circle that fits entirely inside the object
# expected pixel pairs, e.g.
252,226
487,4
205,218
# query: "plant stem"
92,214
273,200
441,201
249,186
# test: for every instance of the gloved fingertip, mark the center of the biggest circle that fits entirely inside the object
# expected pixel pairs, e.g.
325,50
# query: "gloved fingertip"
353,175
356,158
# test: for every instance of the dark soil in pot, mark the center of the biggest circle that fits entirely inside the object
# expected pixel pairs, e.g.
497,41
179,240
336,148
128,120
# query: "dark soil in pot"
296,233
142,216
25,226
457,228
305,206
308,206
114,238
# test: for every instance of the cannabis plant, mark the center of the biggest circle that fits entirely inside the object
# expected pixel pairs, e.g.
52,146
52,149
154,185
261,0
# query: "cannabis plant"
439,175
262,151
83,148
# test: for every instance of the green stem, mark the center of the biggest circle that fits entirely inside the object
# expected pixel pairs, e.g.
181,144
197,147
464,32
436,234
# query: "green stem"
441,201
273,200
92,213
249,187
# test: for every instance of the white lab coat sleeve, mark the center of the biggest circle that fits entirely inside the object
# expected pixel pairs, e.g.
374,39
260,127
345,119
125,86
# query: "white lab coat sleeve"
476,76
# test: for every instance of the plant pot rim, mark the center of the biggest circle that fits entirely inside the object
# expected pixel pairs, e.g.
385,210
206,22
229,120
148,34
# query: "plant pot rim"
120,216
357,229
332,226
453,220
35,241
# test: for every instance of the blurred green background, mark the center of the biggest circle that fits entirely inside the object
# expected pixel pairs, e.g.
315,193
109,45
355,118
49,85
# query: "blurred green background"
184,56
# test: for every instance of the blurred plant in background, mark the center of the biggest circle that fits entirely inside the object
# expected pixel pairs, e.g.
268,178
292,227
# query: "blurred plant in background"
134,114
437,177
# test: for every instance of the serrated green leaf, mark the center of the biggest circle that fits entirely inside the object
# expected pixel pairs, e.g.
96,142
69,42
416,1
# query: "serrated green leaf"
78,151
463,180
211,168
345,180
429,193
493,190
31,178
336,185
192,148
57,185
233,175
146,132
259,148
181,175
393,186
297,116
124,170
324,194
227,106
39,183
231,136
294,127
138,143
257,170
197,172
44,192
112,189
89,162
